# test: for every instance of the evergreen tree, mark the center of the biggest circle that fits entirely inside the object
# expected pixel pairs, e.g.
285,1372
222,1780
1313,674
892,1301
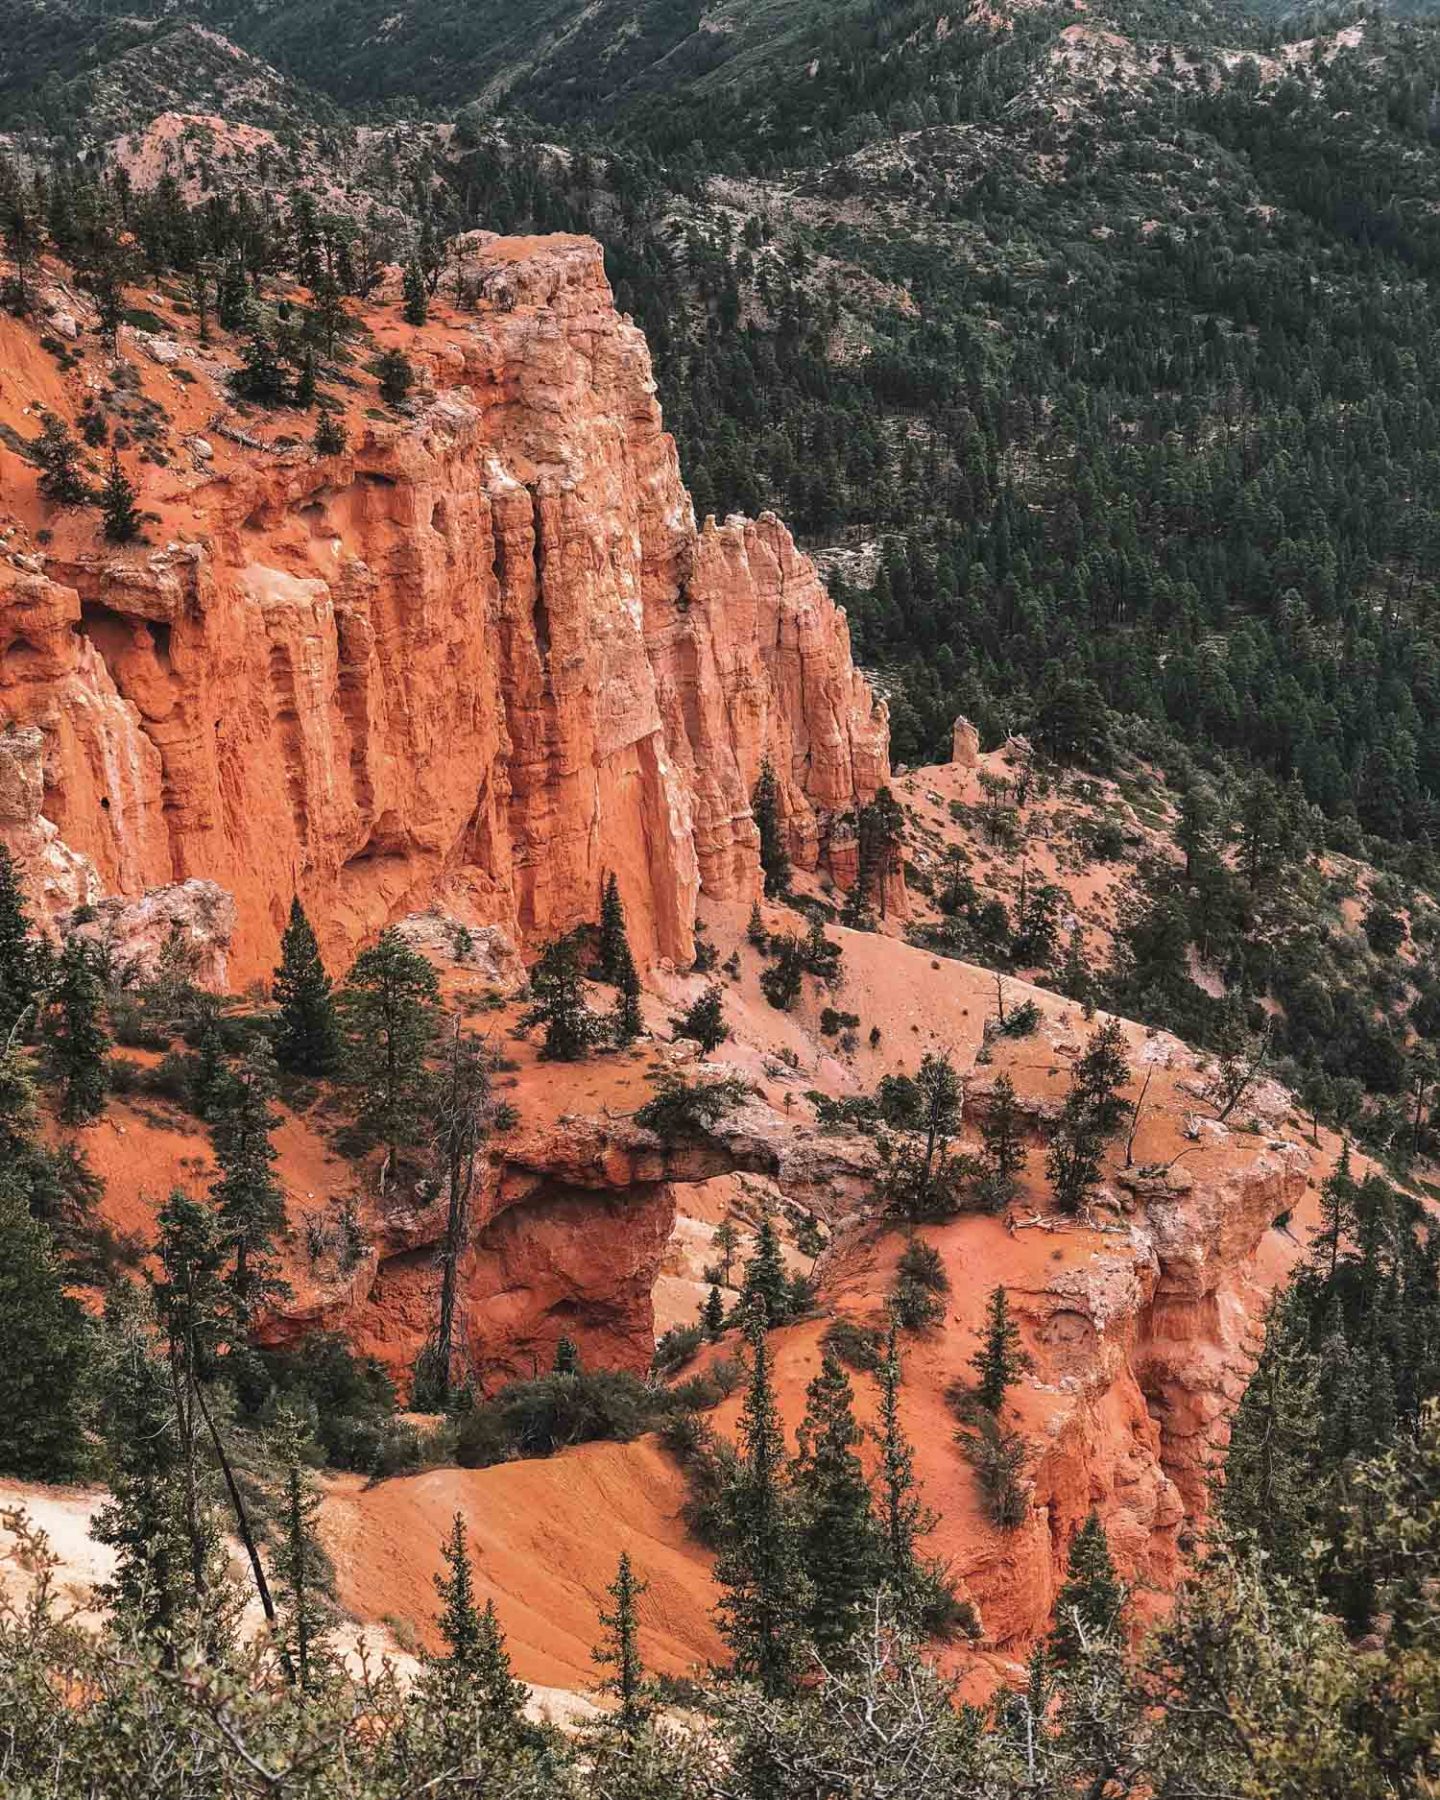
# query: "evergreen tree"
417,301
305,380
999,1362
619,1649
727,1242
1090,1602
248,1199
331,437
171,1575
462,1118
774,857
76,1040
613,950
881,838
388,1011
839,1544
705,1021
765,1291
459,1622
557,987
904,1519
62,477
397,377
712,1314
626,1021
1001,1132
299,1562
46,1343
20,968
307,1038
1274,1493
567,1357
763,1587
474,1677
211,1075
120,516
260,376
1093,1112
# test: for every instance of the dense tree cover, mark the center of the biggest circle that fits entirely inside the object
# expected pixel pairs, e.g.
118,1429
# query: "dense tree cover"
1134,462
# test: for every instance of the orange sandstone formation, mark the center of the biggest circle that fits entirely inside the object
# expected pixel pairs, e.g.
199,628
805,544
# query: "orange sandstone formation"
486,652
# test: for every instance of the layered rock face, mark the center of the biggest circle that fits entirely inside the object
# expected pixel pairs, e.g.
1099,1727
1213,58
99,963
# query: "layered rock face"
488,653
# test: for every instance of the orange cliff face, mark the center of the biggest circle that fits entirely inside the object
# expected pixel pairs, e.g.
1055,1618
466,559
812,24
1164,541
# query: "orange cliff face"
485,654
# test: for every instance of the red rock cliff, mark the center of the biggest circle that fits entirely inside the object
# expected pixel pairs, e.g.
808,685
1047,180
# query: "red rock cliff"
487,652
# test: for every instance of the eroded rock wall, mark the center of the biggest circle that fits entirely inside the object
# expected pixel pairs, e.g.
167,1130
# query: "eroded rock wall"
487,653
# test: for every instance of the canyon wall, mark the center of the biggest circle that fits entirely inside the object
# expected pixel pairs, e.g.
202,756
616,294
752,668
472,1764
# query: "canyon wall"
485,655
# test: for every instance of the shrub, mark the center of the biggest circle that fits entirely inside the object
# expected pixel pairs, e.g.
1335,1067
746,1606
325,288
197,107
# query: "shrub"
1021,1020
709,1463
349,1401
998,1457
921,1284
857,1345
679,1345
900,1102
680,1108
536,1418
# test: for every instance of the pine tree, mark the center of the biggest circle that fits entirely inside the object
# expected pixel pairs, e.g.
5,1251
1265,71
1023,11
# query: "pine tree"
613,949
765,1291
120,516
727,1242
62,478
626,1021
712,1314
1093,1112
774,857
19,961
46,1342
417,301
247,1197
904,1518
705,1021
1090,1602
1273,1493
1338,1220
474,1677
305,385
459,1622
260,376
839,1544
1001,1132
881,837
299,1564
999,1362
192,1299
619,1649
763,1588
462,1118
331,437
559,1002
566,1360
76,1040
307,1037
210,1075
172,1570
397,377
388,1011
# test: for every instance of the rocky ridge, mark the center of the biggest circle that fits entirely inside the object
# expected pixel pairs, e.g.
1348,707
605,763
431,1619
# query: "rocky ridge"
488,652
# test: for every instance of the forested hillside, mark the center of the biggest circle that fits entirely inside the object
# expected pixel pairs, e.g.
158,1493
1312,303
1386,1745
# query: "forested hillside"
1106,339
